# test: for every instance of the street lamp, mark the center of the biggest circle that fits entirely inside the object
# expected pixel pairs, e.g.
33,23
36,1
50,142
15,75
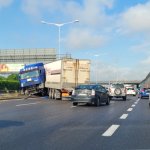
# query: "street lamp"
59,25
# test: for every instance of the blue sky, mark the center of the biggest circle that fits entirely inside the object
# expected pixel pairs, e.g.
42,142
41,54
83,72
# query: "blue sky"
113,34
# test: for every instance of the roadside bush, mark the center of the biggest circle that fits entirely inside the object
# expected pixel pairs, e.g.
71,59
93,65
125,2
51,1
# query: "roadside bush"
9,83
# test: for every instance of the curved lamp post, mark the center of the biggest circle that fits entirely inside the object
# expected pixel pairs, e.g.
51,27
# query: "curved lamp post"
59,25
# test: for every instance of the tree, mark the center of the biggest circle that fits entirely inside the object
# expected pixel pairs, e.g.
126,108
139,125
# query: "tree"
13,77
2,78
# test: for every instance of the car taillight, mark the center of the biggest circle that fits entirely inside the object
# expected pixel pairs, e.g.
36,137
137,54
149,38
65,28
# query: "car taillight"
93,93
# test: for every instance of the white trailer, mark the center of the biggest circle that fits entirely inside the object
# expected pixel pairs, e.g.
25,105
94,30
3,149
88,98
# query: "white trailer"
62,76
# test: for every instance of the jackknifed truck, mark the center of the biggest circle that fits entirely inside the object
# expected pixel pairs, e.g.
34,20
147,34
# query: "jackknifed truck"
57,78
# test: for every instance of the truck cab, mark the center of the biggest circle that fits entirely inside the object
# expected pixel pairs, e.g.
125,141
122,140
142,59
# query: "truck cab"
32,78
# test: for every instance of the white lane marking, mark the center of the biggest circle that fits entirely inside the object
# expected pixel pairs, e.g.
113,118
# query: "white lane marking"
130,109
11,100
133,106
110,131
135,102
124,116
28,104
112,102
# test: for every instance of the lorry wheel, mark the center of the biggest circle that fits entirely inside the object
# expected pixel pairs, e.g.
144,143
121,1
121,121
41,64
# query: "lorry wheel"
57,94
26,92
53,94
50,93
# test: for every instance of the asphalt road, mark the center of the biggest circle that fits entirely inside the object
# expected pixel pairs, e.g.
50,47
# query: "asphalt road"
41,124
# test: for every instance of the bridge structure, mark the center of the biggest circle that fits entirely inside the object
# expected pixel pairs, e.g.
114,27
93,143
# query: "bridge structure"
127,82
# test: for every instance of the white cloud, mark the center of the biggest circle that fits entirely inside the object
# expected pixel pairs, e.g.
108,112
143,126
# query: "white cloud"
91,13
107,72
37,7
146,61
142,47
5,3
84,39
136,19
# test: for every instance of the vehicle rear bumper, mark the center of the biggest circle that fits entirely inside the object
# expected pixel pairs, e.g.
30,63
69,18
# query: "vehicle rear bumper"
144,95
82,99
113,95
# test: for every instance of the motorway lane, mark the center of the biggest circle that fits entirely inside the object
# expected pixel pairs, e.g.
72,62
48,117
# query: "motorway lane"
43,124
134,132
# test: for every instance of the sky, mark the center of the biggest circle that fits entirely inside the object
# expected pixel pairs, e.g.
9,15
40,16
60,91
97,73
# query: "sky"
113,34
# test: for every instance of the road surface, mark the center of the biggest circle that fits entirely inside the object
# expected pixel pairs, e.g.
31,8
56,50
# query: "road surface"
42,124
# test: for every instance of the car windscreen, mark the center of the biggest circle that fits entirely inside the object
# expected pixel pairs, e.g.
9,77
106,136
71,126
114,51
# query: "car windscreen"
147,91
29,74
89,87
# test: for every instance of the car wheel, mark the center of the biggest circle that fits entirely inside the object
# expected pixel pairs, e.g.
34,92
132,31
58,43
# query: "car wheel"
108,101
110,98
75,103
97,102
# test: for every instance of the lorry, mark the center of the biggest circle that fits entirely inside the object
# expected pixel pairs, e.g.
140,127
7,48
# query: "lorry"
57,79
32,79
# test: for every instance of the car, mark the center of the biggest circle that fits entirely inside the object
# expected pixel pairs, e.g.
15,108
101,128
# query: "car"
90,94
117,90
144,93
131,91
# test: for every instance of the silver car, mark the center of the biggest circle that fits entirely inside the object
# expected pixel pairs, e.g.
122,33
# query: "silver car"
117,90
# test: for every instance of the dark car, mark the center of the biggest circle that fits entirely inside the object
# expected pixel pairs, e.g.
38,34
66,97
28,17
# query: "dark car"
90,94
144,93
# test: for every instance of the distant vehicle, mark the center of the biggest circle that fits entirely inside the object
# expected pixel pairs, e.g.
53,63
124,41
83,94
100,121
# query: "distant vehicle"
90,94
117,90
131,91
144,93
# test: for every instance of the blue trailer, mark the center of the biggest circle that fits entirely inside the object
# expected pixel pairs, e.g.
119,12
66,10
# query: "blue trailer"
32,79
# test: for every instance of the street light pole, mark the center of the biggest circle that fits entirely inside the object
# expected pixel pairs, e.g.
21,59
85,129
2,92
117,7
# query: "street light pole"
96,68
59,25
59,42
